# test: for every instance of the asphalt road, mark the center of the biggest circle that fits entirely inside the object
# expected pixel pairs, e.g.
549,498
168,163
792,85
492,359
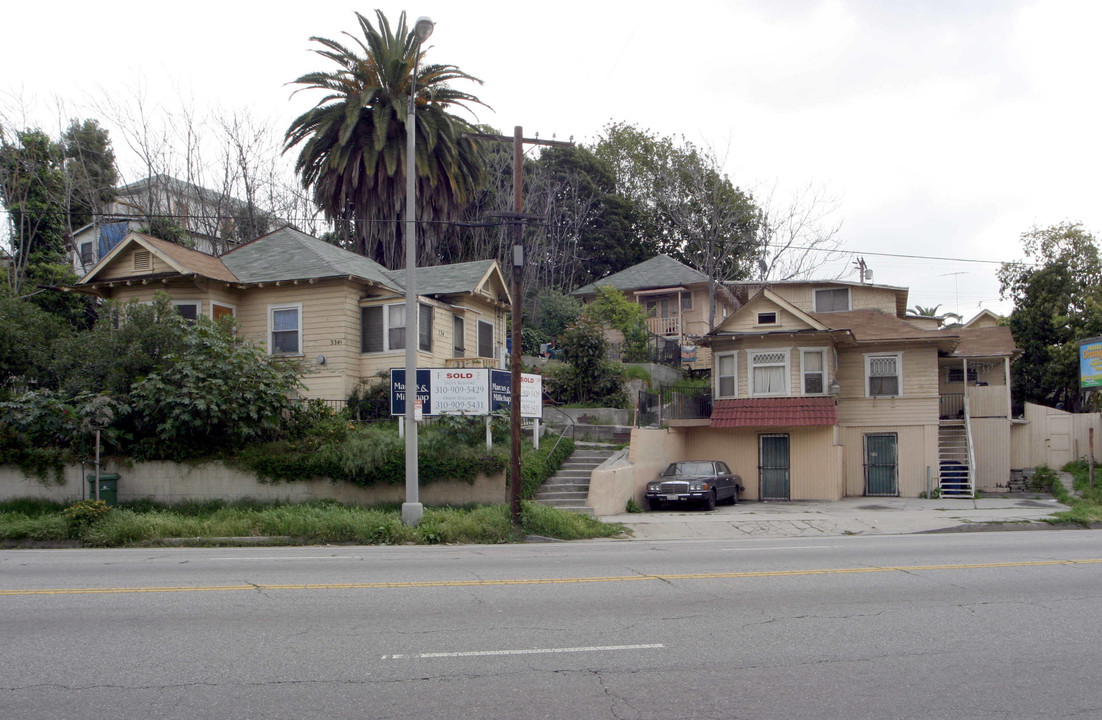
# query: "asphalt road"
985,625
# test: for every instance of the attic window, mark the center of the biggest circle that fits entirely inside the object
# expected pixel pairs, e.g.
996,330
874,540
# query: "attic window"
143,260
767,318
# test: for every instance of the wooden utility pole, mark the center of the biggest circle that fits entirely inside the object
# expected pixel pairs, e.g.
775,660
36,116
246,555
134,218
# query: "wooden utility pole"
517,218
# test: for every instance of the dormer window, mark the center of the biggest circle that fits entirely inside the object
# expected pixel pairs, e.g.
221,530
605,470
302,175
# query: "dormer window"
832,300
767,318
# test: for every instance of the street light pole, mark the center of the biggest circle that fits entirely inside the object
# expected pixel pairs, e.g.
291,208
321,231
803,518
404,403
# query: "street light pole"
412,509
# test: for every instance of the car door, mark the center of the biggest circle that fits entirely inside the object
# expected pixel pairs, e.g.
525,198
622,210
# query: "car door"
725,481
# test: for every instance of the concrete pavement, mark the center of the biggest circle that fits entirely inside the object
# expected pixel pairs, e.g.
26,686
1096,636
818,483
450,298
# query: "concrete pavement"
849,516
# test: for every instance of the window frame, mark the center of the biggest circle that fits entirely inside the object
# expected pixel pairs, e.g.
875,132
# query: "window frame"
686,301
869,357
478,340
751,366
804,352
385,308
272,309
846,290
197,304
772,313
718,389
90,260
459,336
424,329
232,308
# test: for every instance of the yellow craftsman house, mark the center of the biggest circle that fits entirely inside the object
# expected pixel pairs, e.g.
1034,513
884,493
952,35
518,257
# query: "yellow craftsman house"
823,390
341,314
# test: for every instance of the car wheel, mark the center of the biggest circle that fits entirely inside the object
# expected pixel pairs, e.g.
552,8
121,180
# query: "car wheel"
734,497
654,504
710,501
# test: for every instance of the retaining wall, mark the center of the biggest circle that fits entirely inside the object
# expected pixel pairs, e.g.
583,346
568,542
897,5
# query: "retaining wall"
172,482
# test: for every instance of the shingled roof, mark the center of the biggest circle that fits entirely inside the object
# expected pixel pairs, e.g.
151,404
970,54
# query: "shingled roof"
774,412
984,342
659,271
288,254
191,261
445,279
872,325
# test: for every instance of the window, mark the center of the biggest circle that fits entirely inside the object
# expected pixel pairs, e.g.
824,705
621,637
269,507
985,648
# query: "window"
687,301
768,372
383,328
396,327
956,375
188,309
833,300
726,375
658,307
459,340
485,339
219,311
813,370
885,375
767,318
285,329
424,328
86,258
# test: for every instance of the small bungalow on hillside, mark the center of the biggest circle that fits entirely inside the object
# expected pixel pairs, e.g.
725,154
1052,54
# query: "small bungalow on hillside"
676,298
341,314
823,390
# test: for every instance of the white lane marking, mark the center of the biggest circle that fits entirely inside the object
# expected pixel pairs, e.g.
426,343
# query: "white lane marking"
531,651
787,547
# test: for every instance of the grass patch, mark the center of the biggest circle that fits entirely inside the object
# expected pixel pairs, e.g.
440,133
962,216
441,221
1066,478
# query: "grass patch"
147,523
1086,509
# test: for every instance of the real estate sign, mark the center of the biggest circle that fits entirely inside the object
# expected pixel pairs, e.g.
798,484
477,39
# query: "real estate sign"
466,391
1090,363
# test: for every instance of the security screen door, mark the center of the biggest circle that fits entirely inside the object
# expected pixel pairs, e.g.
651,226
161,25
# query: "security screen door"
881,464
774,467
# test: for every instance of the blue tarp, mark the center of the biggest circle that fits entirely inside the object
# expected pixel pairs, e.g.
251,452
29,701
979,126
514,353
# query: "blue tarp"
111,235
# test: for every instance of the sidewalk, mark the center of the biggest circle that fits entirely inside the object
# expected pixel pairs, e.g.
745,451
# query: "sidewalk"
849,516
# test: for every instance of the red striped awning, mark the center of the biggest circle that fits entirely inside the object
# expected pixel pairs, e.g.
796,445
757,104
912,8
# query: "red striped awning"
774,412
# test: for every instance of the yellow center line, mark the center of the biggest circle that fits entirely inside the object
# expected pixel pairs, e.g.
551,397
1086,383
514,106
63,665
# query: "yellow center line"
541,581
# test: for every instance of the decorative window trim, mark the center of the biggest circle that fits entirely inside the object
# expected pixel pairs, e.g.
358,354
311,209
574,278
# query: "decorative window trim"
752,355
734,374
804,352
297,307
869,357
815,299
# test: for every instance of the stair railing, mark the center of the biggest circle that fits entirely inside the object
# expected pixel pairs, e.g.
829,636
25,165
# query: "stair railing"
971,448
568,427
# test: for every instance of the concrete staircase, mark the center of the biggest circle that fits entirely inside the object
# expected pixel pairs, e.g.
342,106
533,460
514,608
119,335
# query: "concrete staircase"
568,489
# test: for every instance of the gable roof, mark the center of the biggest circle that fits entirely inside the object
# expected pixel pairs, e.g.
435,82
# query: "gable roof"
181,259
743,288
659,271
287,254
450,279
984,318
779,302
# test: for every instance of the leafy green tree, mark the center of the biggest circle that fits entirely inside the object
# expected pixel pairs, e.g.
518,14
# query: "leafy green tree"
612,308
28,338
353,143
554,311
587,376
1057,302
90,169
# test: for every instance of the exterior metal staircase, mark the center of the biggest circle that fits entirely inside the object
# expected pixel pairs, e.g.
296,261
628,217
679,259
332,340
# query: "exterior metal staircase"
568,489
956,457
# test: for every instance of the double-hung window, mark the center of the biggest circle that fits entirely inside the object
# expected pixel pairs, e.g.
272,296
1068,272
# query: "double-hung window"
884,375
726,375
768,372
86,258
285,329
188,309
813,371
383,328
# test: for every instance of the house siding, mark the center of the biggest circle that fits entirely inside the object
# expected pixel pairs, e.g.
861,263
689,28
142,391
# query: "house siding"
917,448
866,297
123,265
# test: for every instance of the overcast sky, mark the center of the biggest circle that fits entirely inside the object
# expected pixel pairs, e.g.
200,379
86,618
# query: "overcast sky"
945,128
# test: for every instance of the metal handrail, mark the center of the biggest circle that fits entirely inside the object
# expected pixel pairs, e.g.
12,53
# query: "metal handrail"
569,427
971,448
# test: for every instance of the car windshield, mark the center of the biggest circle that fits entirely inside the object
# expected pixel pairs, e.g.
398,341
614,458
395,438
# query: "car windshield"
690,468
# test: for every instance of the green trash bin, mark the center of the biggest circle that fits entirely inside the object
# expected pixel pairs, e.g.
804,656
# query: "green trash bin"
108,488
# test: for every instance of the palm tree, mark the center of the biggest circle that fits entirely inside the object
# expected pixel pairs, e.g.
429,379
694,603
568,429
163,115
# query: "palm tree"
353,140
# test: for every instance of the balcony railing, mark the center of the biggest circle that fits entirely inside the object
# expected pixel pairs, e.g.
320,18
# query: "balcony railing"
664,325
675,402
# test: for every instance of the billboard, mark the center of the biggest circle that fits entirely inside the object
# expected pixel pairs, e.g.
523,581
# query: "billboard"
466,391
1090,363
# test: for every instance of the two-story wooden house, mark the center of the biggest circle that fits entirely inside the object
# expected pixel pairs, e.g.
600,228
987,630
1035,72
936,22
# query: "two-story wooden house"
822,390
340,314
678,299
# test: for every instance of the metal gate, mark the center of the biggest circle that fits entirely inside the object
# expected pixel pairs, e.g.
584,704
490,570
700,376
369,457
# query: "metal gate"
881,464
774,467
